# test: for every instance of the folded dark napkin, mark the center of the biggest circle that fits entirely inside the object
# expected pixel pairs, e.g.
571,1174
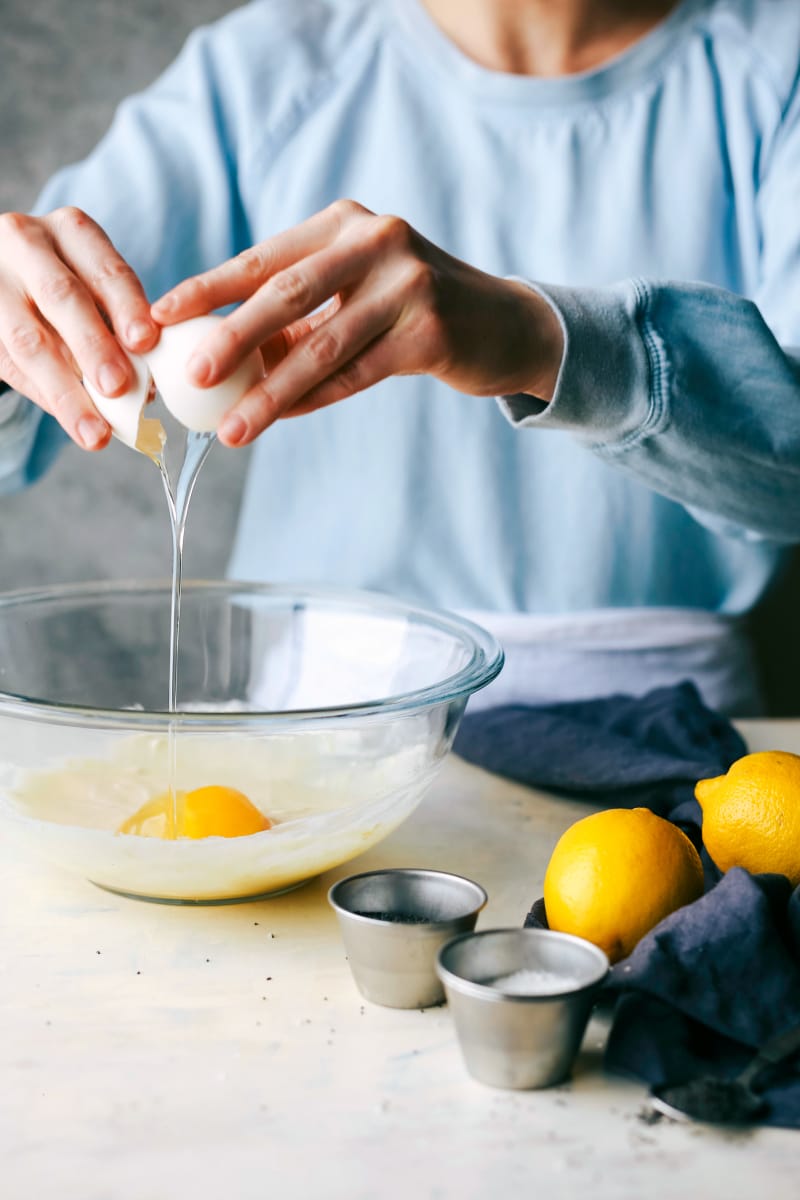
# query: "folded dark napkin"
617,751
715,980
708,987
711,984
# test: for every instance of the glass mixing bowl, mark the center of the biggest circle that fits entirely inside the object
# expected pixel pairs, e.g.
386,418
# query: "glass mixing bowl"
331,711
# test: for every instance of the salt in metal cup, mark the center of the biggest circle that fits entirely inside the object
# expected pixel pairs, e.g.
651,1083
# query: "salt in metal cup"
513,1040
393,924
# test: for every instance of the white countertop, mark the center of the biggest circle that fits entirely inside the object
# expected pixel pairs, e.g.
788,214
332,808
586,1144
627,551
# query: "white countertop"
150,1052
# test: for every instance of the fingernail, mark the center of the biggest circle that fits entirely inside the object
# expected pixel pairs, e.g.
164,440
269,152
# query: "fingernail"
234,429
164,303
111,377
199,368
91,431
140,331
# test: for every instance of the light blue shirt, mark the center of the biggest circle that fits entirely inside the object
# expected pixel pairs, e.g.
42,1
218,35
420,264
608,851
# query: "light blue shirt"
666,471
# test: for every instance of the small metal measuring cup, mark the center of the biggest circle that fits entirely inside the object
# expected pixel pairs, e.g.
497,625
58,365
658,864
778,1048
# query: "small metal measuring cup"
393,924
527,1039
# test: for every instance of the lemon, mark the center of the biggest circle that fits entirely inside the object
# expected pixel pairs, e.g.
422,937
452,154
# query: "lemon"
751,816
616,874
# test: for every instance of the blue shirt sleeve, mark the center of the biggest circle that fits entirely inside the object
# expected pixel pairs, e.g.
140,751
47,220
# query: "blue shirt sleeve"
163,181
163,184
687,386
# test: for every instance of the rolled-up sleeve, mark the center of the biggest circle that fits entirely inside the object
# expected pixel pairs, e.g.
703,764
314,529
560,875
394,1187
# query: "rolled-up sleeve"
693,389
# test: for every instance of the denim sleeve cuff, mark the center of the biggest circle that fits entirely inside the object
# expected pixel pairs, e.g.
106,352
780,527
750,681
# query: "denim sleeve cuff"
19,426
611,387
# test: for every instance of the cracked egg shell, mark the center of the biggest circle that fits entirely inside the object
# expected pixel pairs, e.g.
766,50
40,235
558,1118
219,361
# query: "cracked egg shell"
125,413
198,408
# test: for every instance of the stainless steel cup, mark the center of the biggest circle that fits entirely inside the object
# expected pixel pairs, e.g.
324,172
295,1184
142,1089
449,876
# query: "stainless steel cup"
393,924
520,1041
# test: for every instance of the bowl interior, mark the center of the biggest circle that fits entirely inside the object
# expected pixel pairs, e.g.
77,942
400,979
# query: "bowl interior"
431,897
331,712
255,649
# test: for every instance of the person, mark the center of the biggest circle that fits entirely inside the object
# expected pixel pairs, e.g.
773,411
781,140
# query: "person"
593,218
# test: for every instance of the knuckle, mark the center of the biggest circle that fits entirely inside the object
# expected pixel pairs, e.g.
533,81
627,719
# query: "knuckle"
255,262
421,283
345,210
14,224
193,290
228,342
292,287
112,270
349,377
323,348
61,405
58,288
26,340
100,341
70,216
267,399
392,231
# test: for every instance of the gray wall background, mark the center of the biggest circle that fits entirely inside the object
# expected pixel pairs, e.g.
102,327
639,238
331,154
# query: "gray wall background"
64,65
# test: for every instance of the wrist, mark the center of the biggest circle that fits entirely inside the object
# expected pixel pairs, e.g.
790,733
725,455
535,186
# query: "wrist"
543,343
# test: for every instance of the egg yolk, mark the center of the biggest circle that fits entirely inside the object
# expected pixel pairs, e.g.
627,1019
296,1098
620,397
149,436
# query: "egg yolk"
214,811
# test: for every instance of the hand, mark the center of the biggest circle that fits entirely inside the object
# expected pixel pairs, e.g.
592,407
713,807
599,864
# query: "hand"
348,298
64,294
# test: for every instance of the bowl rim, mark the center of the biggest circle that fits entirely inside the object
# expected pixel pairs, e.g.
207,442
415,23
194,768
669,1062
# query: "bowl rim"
485,662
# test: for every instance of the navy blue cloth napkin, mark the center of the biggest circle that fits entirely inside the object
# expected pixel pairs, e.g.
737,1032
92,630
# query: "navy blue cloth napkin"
715,980
617,751
708,987
711,984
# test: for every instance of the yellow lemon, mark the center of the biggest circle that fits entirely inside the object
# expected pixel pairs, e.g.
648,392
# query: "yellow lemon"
213,811
616,874
751,816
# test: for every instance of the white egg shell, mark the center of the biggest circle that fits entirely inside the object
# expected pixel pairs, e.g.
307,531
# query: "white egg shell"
125,413
198,408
